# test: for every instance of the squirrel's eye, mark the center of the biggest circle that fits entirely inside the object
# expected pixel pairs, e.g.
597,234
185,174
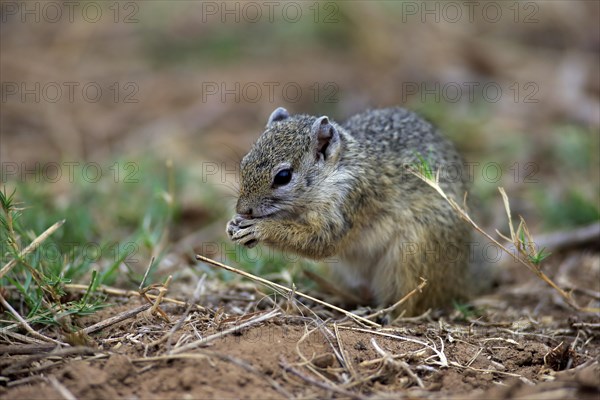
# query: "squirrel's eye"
283,177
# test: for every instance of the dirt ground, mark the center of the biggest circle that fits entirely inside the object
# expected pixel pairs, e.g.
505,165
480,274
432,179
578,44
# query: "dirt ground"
521,341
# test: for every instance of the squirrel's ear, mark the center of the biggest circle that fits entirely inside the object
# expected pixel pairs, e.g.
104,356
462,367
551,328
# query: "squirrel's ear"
324,134
279,114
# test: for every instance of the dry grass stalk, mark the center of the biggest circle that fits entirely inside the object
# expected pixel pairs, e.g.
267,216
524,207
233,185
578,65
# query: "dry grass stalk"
23,338
25,325
487,371
443,360
195,298
21,349
522,248
287,290
309,364
61,389
323,385
347,362
131,293
472,360
146,274
27,380
115,319
527,248
394,306
388,358
162,290
32,246
586,325
17,367
207,339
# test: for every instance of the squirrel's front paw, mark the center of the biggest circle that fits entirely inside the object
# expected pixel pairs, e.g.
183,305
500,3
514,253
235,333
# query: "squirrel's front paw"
243,231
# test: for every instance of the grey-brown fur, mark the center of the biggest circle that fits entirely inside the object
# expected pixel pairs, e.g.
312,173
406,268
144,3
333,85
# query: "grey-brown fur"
351,196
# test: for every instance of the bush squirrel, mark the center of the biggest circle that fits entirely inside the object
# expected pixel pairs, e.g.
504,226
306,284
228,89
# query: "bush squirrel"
317,188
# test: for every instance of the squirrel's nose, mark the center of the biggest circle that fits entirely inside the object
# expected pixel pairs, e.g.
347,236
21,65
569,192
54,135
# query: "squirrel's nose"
243,210
247,214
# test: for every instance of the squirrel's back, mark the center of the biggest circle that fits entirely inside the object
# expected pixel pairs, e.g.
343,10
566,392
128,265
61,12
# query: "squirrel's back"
405,139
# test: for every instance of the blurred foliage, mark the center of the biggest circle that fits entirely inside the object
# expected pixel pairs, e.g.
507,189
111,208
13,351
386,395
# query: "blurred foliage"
227,43
573,149
108,223
569,210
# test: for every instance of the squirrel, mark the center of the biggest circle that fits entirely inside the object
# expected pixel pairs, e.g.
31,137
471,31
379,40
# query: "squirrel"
319,189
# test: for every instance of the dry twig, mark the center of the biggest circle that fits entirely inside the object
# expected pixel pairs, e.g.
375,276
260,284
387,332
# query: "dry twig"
310,363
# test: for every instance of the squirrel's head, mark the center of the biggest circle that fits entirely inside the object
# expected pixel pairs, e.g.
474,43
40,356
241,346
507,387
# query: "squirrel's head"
287,162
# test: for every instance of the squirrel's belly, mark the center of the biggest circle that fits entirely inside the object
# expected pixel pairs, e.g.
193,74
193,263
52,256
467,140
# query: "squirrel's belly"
364,248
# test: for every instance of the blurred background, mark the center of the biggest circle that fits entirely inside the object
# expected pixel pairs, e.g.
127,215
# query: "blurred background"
129,118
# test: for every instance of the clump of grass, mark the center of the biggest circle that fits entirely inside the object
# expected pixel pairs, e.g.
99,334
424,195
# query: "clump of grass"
96,247
467,311
38,279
